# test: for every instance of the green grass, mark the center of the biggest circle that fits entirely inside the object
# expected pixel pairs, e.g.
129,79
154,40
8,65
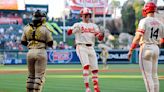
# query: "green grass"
73,81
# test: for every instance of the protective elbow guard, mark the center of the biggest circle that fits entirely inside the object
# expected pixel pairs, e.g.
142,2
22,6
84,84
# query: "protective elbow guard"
25,43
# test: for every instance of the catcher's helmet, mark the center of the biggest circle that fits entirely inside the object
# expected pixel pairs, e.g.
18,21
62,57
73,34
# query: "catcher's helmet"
149,7
39,17
85,11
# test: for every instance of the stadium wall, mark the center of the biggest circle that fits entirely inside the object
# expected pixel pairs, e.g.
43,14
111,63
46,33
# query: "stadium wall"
70,57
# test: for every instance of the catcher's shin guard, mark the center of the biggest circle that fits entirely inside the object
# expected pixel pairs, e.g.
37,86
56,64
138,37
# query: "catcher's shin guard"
38,84
30,84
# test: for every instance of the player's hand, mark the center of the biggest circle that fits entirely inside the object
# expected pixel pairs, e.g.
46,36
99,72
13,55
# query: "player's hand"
129,54
100,36
96,33
69,31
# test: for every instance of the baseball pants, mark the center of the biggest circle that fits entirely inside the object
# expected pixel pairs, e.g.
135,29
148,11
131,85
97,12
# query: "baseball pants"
148,61
36,62
87,56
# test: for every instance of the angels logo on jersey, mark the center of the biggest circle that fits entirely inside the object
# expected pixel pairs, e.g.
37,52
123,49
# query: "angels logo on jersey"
84,29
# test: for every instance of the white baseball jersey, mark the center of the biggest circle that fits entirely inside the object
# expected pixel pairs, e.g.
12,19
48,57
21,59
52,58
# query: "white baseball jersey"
85,32
151,29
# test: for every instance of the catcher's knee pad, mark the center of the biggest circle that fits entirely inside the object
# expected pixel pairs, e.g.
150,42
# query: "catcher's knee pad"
30,82
38,83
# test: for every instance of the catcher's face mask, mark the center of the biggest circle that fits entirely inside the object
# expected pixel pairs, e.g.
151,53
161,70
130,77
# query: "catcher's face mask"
37,20
38,17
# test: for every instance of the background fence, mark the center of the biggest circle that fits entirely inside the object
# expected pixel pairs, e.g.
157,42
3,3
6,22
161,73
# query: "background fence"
70,57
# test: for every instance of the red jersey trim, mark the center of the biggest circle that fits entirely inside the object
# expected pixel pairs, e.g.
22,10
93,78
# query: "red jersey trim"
141,31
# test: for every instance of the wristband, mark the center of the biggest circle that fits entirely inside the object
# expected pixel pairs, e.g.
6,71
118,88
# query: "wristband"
69,31
133,46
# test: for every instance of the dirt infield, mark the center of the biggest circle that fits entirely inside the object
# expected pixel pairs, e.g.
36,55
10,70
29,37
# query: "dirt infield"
23,71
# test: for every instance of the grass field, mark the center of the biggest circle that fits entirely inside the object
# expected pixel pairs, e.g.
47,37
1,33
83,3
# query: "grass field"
68,78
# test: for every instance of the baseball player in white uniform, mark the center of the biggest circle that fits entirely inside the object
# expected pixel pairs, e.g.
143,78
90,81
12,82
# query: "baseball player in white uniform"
85,34
148,35
104,56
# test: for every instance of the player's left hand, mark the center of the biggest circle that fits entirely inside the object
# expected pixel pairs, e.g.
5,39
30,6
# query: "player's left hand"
69,31
129,55
100,36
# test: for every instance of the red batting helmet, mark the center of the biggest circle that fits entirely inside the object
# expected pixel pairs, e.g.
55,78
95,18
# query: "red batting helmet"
85,11
149,7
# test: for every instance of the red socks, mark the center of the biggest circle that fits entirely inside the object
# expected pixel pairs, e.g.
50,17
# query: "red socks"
95,80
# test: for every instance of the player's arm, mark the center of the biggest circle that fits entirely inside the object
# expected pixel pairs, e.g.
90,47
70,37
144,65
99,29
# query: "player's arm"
49,39
24,38
73,29
134,44
98,34
139,33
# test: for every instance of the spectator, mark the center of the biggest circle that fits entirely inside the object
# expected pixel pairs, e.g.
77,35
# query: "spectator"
61,45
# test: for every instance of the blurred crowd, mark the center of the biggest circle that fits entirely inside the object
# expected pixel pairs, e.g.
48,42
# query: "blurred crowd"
10,37
11,31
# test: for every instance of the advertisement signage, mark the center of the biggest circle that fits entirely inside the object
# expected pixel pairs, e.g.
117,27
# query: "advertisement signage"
70,57
12,5
32,8
11,20
96,5
59,56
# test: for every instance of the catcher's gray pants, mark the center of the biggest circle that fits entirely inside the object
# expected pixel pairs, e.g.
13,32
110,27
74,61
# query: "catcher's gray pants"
36,61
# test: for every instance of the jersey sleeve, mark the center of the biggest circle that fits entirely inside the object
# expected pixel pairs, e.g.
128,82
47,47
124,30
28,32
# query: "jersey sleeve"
75,28
141,27
96,28
49,36
24,38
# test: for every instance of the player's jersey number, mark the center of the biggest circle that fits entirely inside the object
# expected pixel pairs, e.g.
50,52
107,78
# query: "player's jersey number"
154,33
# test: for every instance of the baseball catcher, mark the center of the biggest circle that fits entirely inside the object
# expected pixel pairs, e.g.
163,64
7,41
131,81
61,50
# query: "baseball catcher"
37,38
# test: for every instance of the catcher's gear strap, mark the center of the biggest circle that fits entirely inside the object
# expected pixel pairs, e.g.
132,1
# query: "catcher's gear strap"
38,83
30,82
33,35
37,40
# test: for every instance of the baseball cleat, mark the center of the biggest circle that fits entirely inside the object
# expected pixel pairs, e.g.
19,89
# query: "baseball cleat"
88,90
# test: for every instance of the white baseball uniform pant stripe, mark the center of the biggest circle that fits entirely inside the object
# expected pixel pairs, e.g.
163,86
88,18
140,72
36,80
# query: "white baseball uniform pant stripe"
148,60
